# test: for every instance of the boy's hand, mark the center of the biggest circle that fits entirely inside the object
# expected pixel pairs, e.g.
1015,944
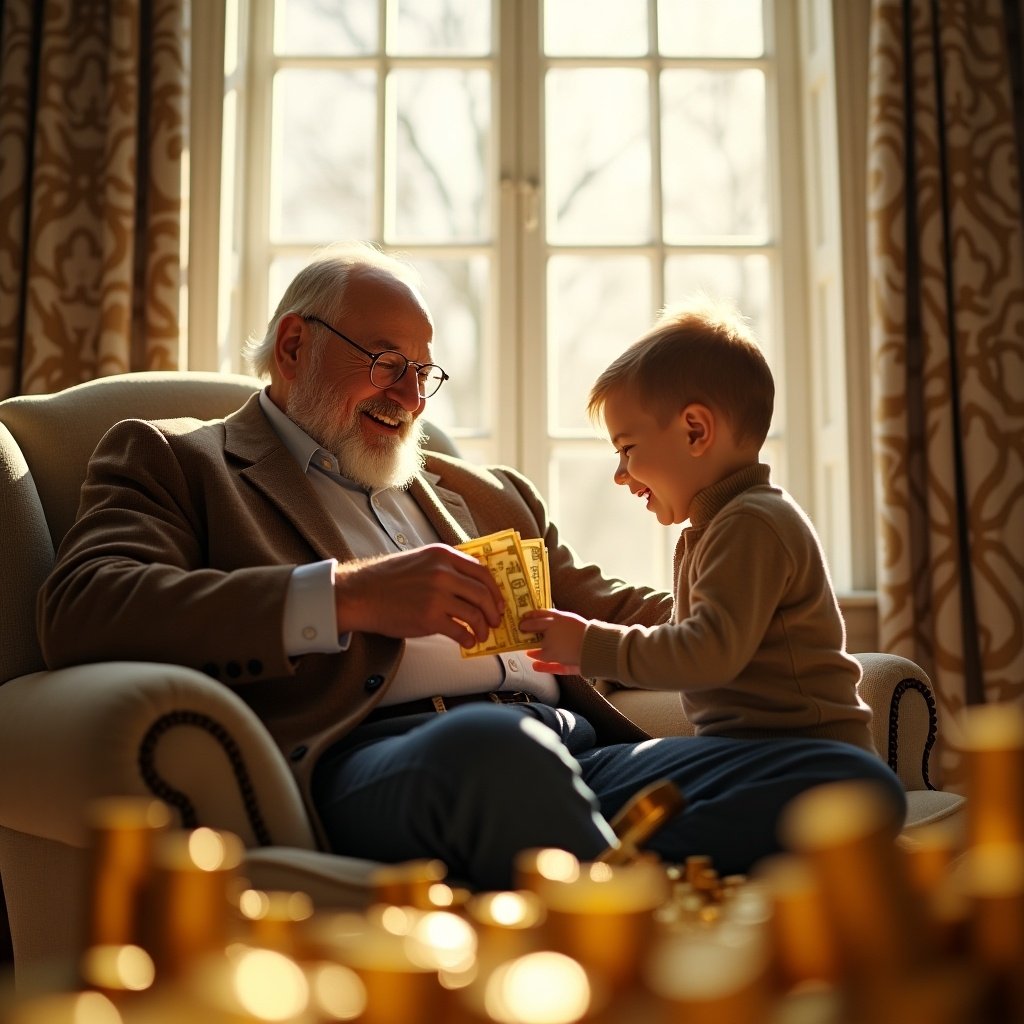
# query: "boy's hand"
561,641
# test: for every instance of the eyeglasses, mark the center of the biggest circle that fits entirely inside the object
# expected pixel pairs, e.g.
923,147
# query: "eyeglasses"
387,368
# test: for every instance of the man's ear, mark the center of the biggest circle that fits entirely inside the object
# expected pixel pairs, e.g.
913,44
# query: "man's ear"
699,424
288,344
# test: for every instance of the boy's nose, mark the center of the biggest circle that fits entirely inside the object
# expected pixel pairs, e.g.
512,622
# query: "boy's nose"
621,476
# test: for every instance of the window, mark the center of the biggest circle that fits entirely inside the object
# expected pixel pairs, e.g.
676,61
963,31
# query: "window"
557,170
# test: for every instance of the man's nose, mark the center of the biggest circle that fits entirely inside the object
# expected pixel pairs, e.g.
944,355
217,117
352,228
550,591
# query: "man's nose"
406,390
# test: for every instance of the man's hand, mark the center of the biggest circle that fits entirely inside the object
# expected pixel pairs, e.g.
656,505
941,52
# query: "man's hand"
561,641
433,589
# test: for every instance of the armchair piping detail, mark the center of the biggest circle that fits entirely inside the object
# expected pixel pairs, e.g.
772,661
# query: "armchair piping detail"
179,800
894,715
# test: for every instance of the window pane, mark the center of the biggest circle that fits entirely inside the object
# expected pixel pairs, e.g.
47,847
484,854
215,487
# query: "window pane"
613,28
721,116
322,166
624,538
598,156
440,27
339,27
596,307
457,292
710,28
743,280
437,181
282,270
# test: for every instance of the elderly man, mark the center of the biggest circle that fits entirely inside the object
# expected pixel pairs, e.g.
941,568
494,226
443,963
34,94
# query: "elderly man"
302,551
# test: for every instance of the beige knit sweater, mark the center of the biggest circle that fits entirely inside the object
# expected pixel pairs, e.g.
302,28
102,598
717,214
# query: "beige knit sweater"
757,644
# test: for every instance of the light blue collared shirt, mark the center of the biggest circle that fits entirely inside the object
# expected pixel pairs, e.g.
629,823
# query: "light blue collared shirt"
378,522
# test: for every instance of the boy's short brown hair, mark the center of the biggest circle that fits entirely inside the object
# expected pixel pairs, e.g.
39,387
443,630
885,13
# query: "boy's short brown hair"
702,351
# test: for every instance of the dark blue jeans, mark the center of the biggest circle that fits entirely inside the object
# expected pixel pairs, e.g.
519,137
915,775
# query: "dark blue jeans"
477,784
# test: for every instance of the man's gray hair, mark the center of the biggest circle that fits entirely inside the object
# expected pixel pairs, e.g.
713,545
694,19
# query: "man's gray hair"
319,290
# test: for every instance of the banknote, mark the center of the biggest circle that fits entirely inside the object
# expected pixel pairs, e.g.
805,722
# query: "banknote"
520,570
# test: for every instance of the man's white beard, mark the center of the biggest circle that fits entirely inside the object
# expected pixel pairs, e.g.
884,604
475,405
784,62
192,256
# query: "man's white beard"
387,462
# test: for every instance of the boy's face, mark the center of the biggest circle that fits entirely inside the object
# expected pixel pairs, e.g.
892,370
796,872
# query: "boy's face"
659,464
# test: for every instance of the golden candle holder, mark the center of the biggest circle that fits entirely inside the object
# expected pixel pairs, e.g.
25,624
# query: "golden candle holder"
713,975
992,882
802,942
382,947
604,917
846,830
415,883
508,925
123,832
543,987
189,903
272,920
993,746
65,1008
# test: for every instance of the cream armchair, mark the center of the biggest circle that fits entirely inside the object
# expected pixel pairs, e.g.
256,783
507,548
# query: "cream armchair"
127,728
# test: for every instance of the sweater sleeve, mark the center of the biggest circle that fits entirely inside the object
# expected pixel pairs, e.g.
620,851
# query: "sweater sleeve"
741,570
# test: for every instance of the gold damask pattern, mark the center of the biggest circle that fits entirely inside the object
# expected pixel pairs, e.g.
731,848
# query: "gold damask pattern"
946,243
92,132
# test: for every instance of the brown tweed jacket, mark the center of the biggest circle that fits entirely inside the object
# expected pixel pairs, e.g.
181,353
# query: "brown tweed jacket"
186,536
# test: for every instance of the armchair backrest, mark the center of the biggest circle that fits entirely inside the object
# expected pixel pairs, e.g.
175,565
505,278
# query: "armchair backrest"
45,445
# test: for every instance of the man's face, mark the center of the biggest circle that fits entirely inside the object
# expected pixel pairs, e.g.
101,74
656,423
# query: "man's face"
374,433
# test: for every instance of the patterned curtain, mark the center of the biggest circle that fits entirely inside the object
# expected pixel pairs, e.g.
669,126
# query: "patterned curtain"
946,245
93,101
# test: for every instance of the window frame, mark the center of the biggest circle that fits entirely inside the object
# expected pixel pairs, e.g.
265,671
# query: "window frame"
225,292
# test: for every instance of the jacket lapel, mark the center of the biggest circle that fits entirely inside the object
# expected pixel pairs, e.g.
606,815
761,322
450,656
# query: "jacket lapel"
274,473
447,511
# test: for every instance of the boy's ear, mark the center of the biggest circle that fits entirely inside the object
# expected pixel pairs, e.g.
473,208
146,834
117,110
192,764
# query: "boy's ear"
288,343
699,424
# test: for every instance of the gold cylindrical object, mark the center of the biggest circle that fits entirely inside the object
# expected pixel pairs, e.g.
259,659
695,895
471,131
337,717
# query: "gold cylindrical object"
710,976
802,942
272,920
993,746
508,925
847,830
605,918
411,884
190,906
122,833
991,879
381,946
641,817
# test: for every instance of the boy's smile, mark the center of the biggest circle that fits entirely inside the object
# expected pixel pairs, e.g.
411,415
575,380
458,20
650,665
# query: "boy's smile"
658,463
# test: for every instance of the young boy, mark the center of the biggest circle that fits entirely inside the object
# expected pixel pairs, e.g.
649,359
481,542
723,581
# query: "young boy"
757,643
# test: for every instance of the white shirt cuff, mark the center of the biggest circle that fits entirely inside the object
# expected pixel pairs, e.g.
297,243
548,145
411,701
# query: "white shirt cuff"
310,626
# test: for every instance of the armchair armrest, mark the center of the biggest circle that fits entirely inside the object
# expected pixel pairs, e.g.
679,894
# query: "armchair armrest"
904,723
139,729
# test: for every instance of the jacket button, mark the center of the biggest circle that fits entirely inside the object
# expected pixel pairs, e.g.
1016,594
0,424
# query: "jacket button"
373,683
298,753
212,670
255,667
233,669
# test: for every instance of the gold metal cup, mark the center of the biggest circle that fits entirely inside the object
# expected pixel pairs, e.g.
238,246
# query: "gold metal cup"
993,746
189,906
123,832
605,917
